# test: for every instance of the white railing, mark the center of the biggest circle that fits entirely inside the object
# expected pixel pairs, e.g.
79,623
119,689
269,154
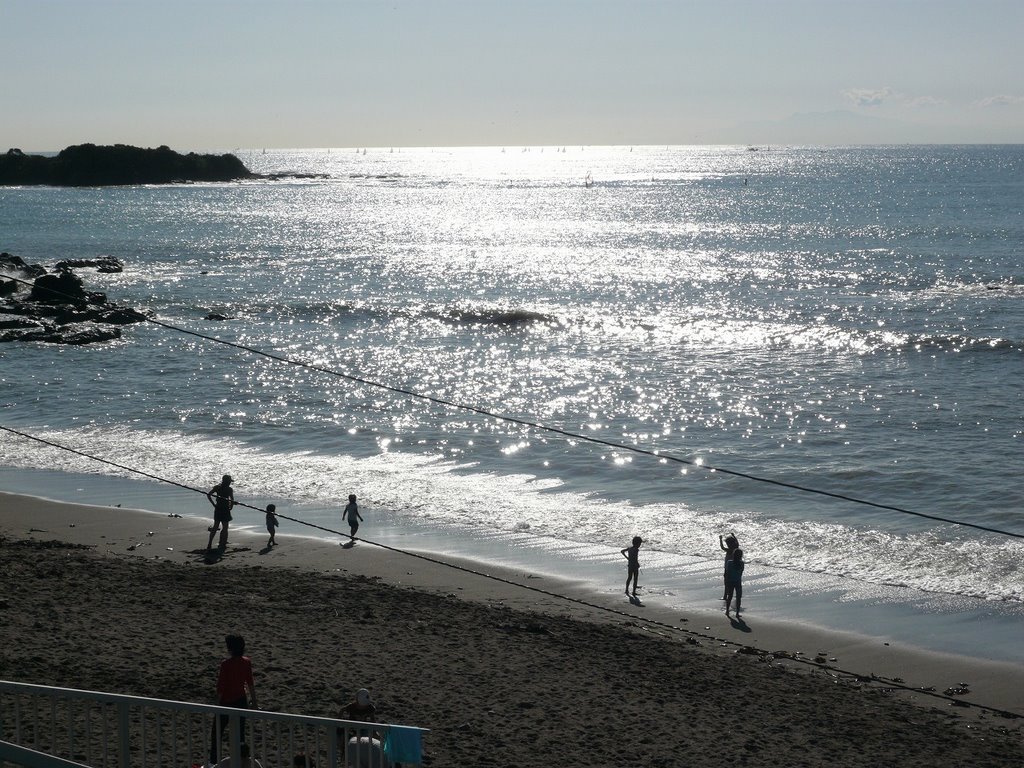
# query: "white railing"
106,730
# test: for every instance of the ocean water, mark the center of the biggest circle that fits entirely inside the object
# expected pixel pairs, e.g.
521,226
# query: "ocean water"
847,319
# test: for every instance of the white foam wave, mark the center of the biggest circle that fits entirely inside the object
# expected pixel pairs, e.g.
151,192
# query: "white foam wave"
426,490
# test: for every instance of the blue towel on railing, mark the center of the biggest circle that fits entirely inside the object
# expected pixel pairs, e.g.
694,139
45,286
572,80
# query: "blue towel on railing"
403,745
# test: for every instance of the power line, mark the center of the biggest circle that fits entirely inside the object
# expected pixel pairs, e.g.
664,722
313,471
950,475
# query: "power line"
554,430
887,682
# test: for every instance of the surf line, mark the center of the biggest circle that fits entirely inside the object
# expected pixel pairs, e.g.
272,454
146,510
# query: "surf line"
665,457
692,635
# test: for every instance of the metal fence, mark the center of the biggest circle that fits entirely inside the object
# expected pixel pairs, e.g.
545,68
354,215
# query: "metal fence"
105,730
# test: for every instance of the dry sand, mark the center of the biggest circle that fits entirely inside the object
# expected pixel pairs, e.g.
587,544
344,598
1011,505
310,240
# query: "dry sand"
501,675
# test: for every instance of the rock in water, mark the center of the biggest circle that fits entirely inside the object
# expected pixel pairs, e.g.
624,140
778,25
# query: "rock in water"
89,165
61,288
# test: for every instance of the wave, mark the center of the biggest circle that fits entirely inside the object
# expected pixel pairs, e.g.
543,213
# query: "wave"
708,333
481,316
960,343
492,316
411,488
993,289
377,176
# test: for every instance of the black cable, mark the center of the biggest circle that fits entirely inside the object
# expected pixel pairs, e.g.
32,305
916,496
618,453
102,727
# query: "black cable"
556,430
548,593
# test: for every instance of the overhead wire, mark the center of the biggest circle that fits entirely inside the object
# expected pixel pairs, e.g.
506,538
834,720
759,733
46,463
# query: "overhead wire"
554,430
892,683
667,457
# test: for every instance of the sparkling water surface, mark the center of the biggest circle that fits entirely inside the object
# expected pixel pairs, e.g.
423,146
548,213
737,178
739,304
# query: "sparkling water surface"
848,319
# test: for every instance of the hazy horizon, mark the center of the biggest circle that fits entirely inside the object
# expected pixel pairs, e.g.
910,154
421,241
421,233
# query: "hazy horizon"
345,73
517,147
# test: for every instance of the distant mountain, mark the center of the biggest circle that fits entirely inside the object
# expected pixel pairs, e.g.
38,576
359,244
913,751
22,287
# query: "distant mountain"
89,165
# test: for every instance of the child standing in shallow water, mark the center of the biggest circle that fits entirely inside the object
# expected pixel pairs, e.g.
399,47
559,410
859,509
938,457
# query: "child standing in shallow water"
352,513
632,555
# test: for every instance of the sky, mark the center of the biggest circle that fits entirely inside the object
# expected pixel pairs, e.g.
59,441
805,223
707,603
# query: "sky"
225,74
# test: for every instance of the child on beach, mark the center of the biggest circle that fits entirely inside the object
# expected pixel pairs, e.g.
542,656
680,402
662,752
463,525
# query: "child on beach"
365,748
352,513
632,555
222,497
233,680
272,523
734,580
361,709
729,546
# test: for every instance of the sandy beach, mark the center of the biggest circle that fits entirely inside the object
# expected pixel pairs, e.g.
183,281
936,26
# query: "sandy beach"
512,670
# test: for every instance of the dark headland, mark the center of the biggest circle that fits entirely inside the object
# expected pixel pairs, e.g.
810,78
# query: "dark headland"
89,165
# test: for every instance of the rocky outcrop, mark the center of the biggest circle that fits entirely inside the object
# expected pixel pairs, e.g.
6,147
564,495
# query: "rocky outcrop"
15,264
64,287
106,264
89,165
56,308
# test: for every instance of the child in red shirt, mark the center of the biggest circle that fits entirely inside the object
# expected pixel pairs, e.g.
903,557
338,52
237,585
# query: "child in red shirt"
234,678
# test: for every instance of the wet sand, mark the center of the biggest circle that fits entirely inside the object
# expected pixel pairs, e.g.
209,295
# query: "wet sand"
501,674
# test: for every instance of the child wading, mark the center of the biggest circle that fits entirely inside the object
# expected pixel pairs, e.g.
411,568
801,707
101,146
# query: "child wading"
632,555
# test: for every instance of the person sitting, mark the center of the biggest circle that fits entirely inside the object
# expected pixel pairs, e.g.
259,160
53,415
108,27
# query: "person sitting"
365,747
360,709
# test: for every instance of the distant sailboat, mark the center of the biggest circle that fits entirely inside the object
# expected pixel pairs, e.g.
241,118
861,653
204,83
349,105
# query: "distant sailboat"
588,182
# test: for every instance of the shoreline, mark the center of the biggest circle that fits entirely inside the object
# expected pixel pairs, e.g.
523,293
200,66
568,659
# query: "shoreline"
153,536
499,674
903,617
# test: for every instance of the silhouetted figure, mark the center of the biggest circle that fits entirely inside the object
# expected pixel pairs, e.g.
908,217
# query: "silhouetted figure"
352,513
734,580
729,546
272,523
222,497
632,555
233,680
361,709
365,748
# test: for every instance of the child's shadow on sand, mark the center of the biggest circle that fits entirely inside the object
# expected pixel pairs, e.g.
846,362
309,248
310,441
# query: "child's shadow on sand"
634,600
740,624
209,556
